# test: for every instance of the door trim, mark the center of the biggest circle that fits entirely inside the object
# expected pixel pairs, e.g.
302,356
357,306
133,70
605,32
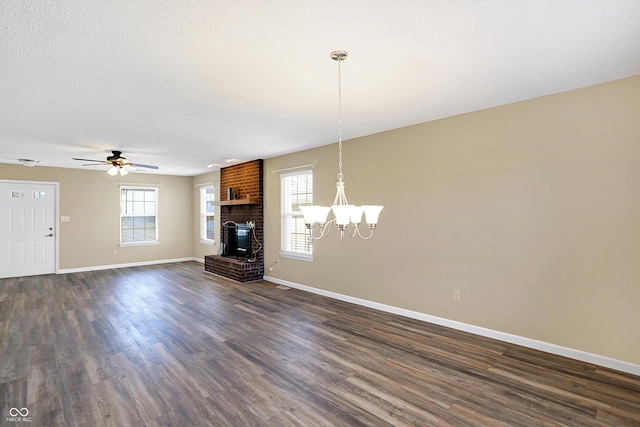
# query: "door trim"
56,203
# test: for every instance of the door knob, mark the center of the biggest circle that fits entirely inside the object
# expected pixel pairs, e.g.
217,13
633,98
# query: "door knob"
49,235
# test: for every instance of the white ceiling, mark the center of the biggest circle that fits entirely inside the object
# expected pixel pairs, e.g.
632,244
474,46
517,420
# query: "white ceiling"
181,83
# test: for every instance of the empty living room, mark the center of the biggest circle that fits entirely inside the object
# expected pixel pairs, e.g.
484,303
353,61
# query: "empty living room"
290,213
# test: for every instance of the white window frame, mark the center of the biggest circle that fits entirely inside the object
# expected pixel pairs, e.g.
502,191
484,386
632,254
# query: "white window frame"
156,215
204,214
287,215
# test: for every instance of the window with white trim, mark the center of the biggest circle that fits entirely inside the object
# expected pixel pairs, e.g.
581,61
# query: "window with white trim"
207,214
296,191
138,215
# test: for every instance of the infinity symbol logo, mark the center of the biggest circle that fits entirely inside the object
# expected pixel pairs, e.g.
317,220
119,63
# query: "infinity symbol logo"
14,412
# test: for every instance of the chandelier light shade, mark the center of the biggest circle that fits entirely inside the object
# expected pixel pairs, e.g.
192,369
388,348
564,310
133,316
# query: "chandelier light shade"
347,217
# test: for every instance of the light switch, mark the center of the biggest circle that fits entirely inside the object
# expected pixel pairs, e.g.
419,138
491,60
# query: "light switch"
65,218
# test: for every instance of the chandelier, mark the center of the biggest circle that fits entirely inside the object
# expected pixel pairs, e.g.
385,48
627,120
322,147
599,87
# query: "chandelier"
347,217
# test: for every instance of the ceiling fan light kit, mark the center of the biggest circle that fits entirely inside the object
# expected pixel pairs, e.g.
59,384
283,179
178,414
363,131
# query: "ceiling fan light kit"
345,215
113,171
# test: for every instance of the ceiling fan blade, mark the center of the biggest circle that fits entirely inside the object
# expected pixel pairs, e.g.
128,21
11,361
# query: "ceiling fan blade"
139,165
95,164
88,160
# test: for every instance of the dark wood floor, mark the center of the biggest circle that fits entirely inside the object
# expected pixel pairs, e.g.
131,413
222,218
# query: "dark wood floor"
172,345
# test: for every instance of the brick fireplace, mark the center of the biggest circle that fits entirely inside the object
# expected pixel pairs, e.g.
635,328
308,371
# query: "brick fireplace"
242,204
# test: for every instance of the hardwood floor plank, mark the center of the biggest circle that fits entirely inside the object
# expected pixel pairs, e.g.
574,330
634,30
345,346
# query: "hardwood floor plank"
170,345
141,386
47,411
189,372
13,394
116,406
226,411
81,407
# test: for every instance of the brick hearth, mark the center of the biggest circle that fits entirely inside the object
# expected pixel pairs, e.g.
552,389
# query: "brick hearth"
240,271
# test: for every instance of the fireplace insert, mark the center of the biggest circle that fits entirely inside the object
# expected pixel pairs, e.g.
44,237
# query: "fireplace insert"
237,240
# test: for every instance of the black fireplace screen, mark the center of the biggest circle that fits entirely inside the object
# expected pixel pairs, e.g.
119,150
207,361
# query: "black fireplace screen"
237,240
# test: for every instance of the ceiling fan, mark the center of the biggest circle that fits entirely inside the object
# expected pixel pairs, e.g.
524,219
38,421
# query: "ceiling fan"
117,163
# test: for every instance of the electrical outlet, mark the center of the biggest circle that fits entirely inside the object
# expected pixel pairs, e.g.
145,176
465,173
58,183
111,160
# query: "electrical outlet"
114,253
456,294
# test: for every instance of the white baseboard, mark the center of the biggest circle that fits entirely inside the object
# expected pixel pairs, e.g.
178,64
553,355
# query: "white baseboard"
131,264
485,332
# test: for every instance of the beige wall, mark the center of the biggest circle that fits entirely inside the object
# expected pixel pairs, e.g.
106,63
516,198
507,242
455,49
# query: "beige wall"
92,200
200,249
532,210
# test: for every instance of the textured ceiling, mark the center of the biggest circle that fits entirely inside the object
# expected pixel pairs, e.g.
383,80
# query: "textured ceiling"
183,83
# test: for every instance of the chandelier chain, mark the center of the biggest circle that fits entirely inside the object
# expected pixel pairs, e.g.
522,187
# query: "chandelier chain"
340,175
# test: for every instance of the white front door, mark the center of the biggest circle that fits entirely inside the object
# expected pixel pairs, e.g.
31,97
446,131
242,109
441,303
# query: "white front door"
27,228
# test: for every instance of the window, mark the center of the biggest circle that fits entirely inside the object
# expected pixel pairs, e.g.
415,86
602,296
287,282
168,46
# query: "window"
207,214
138,216
296,191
